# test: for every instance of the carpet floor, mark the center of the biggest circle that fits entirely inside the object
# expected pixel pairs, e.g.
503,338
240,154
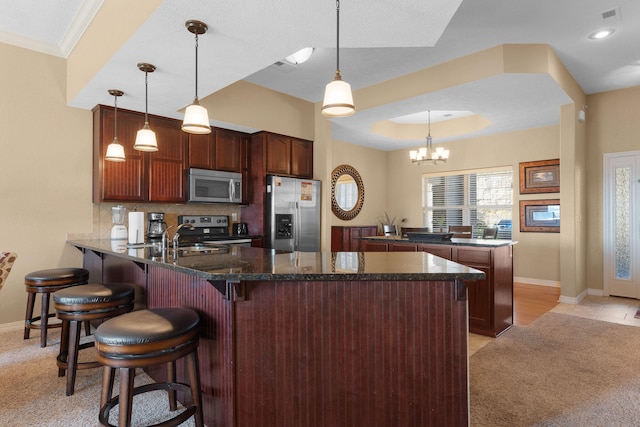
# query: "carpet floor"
32,394
558,371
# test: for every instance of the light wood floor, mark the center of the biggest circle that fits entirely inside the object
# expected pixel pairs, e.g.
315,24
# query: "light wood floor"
532,301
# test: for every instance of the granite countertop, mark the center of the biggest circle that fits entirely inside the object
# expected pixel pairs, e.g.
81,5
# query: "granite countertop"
484,243
247,263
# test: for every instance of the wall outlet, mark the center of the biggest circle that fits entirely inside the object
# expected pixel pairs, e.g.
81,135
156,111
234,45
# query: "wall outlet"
234,216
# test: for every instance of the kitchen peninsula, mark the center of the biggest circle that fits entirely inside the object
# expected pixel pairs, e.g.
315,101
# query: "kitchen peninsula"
491,298
313,339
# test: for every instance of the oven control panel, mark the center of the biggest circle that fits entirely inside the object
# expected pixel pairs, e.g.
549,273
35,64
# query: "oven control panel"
204,220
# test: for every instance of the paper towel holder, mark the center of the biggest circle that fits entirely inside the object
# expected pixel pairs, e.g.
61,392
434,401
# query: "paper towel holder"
136,228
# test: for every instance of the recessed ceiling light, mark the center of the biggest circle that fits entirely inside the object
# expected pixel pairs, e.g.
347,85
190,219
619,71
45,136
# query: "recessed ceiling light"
602,34
300,56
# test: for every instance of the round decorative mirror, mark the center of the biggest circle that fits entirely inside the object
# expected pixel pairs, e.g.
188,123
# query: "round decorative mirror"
347,192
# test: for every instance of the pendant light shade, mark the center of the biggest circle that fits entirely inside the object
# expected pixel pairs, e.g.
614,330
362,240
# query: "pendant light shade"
196,117
115,150
338,100
146,138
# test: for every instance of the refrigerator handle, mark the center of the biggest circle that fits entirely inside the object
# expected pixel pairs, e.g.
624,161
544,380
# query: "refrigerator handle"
296,228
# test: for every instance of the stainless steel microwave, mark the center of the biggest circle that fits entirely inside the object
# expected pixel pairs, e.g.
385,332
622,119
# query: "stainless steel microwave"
207,186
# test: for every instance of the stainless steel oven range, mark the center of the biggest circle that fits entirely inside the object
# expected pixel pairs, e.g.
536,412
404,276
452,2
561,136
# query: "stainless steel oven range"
209,229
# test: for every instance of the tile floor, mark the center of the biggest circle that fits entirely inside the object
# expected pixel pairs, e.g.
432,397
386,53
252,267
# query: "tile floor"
609,309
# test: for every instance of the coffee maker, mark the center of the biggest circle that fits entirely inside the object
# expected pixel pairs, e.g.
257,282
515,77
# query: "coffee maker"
156,226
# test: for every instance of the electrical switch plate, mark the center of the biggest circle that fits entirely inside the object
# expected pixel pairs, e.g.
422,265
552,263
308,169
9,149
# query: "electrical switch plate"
234,216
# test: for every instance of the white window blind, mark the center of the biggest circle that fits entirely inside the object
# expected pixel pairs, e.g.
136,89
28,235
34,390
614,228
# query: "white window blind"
480,198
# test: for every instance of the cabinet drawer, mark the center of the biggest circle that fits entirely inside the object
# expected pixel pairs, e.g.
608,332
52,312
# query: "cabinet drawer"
438,250
475,256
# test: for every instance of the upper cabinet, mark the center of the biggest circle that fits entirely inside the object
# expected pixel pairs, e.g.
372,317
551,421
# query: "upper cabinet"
288,156
160,176
143,176
220,150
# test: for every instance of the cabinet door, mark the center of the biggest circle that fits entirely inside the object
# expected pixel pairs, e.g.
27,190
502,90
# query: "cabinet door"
301,158
278,154
167,165
370,230
402,247
353,241
118,181
200,151
227,151
439,250
371,246
245,168
480,297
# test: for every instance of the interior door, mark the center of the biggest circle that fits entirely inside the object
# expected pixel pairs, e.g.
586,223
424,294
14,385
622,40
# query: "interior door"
621,224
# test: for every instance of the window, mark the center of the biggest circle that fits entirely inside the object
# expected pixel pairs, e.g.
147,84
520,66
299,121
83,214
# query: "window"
480,198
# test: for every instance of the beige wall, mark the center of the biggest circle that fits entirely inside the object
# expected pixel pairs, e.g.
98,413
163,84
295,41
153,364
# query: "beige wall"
45,170
537,254
613,125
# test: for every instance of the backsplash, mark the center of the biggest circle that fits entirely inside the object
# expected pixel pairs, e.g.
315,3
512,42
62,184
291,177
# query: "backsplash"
102,217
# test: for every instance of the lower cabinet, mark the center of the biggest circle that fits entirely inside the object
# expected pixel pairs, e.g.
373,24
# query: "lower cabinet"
491,299
348,239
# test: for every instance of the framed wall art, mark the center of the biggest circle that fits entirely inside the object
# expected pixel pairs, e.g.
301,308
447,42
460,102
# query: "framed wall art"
542,176
542,216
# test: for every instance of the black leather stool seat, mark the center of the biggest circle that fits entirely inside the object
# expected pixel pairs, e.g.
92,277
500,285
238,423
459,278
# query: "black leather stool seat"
83,303
45,282
145,338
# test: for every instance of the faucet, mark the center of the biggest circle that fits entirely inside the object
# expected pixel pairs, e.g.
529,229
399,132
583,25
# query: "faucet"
176,237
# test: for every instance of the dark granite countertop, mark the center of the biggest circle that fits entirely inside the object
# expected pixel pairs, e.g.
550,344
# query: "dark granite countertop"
246,263
485,243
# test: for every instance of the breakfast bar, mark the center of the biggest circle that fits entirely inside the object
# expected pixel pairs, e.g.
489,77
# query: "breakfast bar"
312,338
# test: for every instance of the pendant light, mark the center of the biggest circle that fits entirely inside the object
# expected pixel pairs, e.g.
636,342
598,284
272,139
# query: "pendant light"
146,138
196,118
426,154
338,100
115,150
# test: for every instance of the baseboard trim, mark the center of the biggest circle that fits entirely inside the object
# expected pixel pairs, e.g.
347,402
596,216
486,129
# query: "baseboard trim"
12,326
574,300
540,282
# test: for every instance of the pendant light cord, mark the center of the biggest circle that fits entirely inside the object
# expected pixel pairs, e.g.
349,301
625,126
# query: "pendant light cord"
115,117
146,98
338,35
196,98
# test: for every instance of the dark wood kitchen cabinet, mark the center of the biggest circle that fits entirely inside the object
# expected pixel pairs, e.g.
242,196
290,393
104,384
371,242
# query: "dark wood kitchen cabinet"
288,156
220,150
491,298
347,238
143,176
271,153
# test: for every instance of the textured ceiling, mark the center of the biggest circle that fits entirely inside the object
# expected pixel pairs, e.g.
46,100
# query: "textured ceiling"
379,40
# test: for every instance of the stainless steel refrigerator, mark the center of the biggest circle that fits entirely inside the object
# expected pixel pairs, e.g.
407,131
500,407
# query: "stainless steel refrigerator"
293,214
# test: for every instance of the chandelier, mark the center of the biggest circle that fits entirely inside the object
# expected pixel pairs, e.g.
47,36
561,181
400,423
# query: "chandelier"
427,154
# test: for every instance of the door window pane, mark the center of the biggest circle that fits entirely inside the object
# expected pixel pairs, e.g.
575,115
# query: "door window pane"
623,225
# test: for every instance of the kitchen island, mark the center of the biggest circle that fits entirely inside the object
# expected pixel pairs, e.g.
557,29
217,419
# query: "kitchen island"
313,339
490,299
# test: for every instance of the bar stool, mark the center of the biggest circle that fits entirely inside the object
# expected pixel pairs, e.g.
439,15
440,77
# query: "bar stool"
84,303
141,339
45,282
